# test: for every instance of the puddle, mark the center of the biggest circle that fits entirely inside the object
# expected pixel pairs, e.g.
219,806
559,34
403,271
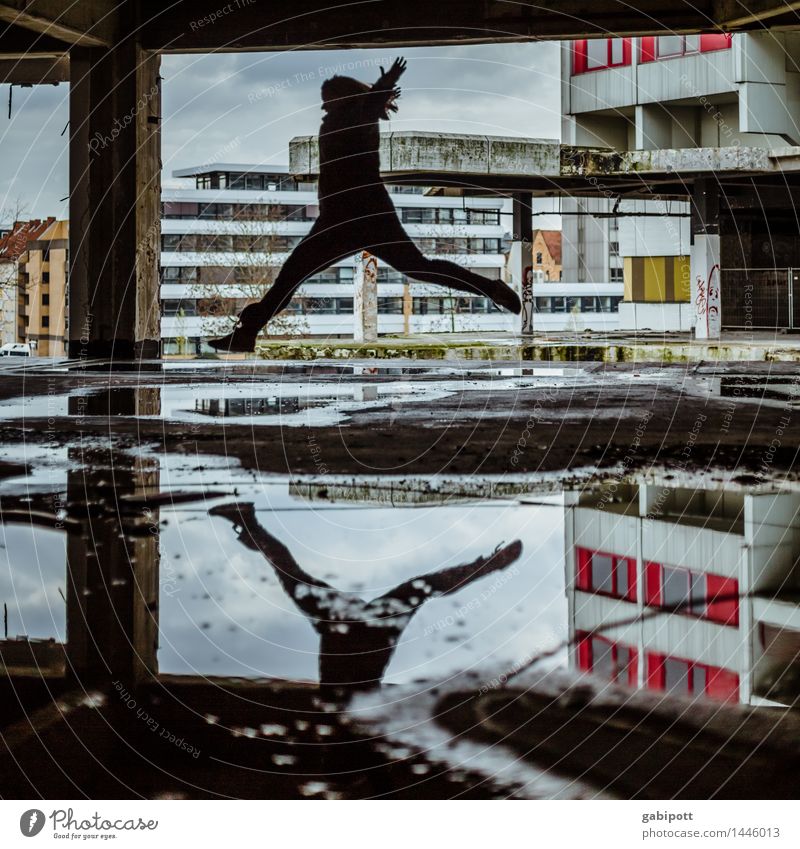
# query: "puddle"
299,403
681,586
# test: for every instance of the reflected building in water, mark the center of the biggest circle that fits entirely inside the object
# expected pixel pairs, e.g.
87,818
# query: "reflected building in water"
726,557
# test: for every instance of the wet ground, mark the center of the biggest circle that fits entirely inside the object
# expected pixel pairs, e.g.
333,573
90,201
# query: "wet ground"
311,580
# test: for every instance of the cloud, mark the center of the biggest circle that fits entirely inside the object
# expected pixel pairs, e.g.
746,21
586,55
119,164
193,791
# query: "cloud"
262,100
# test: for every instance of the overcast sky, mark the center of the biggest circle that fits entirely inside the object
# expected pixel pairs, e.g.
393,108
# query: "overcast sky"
246,107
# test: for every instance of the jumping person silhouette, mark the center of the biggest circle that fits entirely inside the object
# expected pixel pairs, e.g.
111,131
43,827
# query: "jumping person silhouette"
355,210
357,637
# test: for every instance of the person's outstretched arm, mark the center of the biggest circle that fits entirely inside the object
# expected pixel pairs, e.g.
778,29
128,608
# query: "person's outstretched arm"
383,96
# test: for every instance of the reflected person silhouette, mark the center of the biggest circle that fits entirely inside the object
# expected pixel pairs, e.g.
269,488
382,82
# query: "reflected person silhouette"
356,212
357,637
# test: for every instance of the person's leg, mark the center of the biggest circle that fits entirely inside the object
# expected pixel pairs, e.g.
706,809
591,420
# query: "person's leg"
319,249
392,244
312,596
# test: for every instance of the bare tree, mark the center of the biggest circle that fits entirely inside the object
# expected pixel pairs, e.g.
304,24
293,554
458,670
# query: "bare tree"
249,261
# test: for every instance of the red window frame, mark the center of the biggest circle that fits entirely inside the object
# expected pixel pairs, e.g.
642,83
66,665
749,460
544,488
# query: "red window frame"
648,47
580,62
724,611
583,576
720,684
627,675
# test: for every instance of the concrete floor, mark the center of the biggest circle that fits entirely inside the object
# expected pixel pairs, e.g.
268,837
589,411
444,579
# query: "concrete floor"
105,454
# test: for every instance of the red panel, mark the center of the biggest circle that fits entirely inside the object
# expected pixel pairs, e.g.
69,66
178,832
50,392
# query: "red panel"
647,49
715,41
626,51
722,684
633,668
584,652
583,576
655,671
579,56
653,584
726,610
632,595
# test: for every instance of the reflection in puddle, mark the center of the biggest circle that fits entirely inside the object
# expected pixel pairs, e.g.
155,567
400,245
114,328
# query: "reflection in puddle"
727,558
146,564
313,402
361,594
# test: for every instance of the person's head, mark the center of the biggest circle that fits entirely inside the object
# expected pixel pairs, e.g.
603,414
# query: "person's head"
341,92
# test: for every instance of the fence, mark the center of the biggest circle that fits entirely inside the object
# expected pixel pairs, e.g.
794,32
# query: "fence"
760,298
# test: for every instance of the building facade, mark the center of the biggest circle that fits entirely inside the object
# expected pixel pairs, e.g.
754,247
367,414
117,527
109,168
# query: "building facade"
42,292
546,259
685,590
672,92
33,278
225,237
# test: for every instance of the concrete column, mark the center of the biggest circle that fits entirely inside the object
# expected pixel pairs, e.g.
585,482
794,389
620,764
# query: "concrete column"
365,298
520,258
115,188
705,260
112,583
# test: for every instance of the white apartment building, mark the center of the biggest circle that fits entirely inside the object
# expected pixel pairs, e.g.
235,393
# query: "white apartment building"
729,553
235,223
667,92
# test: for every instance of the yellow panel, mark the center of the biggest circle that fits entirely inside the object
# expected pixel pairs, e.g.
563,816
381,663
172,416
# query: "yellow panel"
627,277
654,283
683,279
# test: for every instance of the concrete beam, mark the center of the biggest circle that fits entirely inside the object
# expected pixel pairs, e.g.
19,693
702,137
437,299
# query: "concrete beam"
20,43
487,164
204,25
86,24
732,14
34,71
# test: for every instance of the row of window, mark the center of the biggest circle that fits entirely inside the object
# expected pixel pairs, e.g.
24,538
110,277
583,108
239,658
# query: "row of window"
700,594
248,275
191,210
275,243
675,676
595,54
252,182
268,243
210,307
448,215
603,303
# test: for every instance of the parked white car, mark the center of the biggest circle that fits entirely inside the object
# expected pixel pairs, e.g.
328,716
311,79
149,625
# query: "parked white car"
15,349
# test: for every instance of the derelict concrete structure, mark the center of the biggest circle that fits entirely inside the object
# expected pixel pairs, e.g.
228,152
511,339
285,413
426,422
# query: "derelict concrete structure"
109,51
736,193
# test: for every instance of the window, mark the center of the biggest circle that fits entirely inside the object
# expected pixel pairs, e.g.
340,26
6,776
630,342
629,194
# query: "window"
45,321
390,306
428,306
45,300
700,594
656,47
609,660
539,259
607,574
595,54
679,677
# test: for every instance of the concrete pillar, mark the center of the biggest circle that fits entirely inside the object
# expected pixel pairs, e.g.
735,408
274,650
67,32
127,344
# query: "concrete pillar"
112,573
705,260
365,298
520,258
115,189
